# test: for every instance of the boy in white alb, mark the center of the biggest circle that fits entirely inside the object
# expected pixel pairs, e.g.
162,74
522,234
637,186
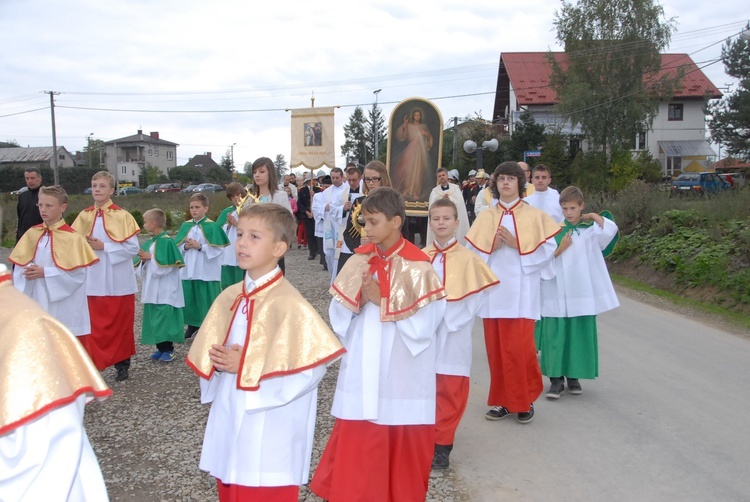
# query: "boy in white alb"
387,304
202,244
227,220
545,198
464,276
159,262
580,290
51,262
260,355
110,284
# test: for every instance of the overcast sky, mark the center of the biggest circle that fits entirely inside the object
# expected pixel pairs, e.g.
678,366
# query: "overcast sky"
184,67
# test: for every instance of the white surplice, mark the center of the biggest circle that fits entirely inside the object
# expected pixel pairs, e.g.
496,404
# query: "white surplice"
203,265
548,201
114,274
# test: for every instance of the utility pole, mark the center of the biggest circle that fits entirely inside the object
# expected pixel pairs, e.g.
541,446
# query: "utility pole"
53,157
375,122
455,142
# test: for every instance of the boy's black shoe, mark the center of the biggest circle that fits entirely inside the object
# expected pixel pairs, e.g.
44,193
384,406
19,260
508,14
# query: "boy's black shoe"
574,386
496,413
311,257
556,387
441,459
526,416
122,375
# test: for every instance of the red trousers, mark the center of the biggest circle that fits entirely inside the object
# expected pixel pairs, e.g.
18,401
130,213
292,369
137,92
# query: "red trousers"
452,396
515,377
301,234
239,493
112,339
366,462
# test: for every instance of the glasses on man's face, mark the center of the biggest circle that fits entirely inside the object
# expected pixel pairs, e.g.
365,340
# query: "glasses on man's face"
372,180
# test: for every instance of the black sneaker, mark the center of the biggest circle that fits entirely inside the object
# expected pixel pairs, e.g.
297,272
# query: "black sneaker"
441,459
526,416
556,386
574,386
496,413
122,375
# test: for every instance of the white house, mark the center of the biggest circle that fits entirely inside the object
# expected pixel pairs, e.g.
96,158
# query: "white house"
678,134
124,157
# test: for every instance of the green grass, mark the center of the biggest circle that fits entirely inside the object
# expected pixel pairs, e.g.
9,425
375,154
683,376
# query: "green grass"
725,314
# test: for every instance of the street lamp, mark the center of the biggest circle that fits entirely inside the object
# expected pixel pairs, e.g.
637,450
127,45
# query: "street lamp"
88,149
374,121
471,147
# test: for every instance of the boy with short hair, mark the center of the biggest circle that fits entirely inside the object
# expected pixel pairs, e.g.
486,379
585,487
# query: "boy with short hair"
227,220
160,261
260,355
386,307
110,284
544,197
580,290
51,262
515,240
464,275
202,243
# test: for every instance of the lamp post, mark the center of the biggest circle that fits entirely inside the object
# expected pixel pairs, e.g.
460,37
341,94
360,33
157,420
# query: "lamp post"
232,155
471,147
88,149
374,122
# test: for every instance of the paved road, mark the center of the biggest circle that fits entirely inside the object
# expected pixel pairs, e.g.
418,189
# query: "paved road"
667,419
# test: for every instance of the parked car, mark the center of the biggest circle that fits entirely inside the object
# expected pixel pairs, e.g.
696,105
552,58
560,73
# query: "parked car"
87,191
208,187
130,190
735,180
168,187
698,184
19,191
189,188
152,188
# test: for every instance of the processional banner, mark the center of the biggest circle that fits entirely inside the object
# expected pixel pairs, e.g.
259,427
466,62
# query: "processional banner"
312,138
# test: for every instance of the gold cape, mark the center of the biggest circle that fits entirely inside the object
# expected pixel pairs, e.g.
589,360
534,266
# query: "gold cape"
464,273
413,282
69,248
533,227
118,223
285,333
42,364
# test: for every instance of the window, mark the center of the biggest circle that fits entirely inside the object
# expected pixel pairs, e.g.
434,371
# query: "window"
170,154
639,142
674,165
124,170
149,152
61,157
156,151
675,111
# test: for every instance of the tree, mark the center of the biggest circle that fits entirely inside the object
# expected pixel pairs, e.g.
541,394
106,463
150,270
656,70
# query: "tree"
11,143
609,83
555,157
375,116
226,161
218,175
248,169
92,152
185,174
280,164
730,117
355,134
527,135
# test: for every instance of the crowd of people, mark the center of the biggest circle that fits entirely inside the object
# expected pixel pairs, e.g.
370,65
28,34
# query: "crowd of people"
506,248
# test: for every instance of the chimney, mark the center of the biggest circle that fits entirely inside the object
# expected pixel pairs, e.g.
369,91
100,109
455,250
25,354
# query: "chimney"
140,131
209,154
155,134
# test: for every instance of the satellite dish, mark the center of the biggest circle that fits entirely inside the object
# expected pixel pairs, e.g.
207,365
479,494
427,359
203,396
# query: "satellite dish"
490,145
469,146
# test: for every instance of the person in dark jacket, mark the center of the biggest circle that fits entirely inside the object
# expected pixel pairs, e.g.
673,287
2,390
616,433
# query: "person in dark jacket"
304,205
28,212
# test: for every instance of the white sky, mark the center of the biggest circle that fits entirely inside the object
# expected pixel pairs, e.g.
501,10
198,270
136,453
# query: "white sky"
264,57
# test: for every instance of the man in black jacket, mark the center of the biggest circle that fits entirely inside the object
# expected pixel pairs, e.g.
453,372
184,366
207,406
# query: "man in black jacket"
28,212
304,203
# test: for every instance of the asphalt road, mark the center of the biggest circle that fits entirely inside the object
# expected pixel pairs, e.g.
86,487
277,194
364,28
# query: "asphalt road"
667,419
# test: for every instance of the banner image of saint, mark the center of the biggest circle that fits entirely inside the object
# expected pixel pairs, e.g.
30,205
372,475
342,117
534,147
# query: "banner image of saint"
415,149
313,134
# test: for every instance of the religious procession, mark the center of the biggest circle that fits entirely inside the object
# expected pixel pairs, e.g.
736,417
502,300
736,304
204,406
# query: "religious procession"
414,256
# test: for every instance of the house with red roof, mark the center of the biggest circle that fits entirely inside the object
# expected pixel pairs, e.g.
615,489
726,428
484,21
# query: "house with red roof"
678,134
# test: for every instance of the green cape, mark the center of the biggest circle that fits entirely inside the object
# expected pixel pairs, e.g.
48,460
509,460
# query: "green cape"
166,252
567,228
212,232
222,219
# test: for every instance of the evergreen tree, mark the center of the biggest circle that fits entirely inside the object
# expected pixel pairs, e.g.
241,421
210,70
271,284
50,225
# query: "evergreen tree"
555,156
280,164
527,135
355,134
375,116
226,161
730,118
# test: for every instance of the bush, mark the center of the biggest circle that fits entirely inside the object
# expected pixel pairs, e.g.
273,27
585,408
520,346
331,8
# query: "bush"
70,217
138,216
